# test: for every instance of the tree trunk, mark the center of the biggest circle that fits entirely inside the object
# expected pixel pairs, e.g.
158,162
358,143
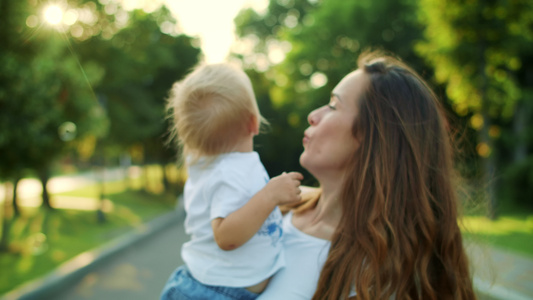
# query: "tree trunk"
519,129
44,176
16,209
6,17
125,164
145,177
100,216
6,224
166,182
101,175
522,114
489,178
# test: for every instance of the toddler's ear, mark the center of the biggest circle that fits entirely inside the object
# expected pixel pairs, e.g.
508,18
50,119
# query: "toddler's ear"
253,125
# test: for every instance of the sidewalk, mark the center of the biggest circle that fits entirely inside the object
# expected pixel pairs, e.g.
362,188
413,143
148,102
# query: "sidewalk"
501,274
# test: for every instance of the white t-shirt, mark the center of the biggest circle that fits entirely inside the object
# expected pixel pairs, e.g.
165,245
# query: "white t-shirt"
305,256
216,190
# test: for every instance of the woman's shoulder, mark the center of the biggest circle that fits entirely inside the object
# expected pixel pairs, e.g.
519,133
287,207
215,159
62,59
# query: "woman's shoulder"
310,196
305,223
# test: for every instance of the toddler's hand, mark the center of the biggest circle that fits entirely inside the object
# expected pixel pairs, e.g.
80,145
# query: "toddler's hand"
285,188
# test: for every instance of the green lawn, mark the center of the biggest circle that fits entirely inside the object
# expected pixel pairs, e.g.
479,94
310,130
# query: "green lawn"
507,232
511,230
41,240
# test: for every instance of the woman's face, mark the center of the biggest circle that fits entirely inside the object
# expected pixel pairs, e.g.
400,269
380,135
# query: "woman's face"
329,142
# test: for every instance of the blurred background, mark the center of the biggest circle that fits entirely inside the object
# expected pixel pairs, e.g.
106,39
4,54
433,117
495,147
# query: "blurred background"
83,152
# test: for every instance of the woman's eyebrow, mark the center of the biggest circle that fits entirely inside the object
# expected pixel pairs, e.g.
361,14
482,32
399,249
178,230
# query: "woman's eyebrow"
336,96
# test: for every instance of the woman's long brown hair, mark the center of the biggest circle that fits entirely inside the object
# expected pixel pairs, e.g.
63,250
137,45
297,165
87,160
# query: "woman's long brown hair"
398,235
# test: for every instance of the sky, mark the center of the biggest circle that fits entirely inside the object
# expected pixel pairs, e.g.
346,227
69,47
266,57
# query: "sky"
209,20
212,22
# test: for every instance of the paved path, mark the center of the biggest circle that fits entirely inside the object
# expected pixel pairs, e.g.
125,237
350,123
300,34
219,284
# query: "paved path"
501,274
139,272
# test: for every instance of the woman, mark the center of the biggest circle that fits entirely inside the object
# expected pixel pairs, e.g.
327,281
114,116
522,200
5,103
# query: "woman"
385,222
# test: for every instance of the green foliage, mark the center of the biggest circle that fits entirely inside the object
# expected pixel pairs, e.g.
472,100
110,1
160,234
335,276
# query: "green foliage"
518,183
140,64
41,89
98,84
106,78
475,47
482,53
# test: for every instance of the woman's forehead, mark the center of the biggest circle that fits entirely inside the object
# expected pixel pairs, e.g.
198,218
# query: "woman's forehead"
352,85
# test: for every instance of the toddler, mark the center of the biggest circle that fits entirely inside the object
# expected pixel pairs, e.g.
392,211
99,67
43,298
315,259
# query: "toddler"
231,206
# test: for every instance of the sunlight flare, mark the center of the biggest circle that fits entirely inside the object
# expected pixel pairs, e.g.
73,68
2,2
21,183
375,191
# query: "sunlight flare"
53,14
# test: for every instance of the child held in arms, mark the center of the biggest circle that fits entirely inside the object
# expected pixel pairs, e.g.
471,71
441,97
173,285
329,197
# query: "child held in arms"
231,206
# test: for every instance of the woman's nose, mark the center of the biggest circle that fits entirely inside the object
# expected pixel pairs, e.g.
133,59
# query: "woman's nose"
314,117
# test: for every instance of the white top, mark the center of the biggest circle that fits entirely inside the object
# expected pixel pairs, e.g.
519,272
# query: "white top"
305,256
216,190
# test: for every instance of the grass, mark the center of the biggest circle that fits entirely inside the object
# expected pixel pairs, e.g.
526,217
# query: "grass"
514,233
512,230
41,240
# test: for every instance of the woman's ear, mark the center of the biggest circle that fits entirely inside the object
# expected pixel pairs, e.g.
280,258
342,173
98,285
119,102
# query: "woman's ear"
253,125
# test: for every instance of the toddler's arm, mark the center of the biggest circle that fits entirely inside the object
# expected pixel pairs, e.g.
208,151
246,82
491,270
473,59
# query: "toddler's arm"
239,226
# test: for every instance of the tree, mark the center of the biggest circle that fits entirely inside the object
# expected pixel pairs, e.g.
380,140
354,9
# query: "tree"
45,105
40,97
481,51
141,63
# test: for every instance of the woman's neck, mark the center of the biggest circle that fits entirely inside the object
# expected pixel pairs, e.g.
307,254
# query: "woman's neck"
328,209
320,221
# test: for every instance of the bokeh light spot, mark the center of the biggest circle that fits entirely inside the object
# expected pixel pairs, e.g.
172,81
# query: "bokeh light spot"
483,150
70,17
53,14
67,131
32,21
476,121
318,79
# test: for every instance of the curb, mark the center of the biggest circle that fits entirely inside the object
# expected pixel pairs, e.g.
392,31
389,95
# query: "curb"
79,266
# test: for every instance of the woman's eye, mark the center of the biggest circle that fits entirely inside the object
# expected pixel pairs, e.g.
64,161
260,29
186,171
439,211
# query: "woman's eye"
332,106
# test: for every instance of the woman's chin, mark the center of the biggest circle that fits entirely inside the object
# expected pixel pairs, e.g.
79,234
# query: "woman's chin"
305,162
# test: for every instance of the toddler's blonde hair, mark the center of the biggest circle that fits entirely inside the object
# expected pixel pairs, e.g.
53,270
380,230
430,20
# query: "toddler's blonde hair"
211,109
